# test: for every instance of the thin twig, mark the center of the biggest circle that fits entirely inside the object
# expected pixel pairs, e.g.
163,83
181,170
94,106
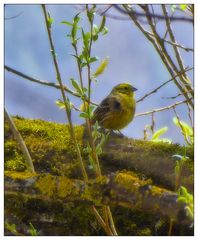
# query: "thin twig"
168,59
157,16
50,84
101,221
163,84
161,109
176,50
42,82
152,123
13,17
20,141
170,227
153,13
160,48
68,115
187,49
111,221
107,9
174,97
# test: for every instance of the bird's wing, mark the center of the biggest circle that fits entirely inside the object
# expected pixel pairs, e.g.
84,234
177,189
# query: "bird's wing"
109,105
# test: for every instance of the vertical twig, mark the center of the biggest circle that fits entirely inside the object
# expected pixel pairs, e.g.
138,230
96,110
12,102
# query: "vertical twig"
26,154
152,123
58,76
68,114
106,209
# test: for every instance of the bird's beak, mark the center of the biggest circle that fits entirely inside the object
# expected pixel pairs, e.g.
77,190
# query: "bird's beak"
134,89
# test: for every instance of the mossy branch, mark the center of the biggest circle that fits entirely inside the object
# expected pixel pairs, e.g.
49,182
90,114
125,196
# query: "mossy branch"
55,144
122,188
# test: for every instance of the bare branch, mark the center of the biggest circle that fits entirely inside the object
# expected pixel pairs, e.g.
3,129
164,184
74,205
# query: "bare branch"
42,82
156,89
177,53
9,18
156,16
178,95
160,48
161,109
36,80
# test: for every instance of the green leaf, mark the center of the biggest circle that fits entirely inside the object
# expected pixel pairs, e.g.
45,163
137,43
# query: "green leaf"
93,59
11,227
102,23
95,32
86,38
84,90
32,230
189,213
60,104
181,199
49,21
95,37
183,191
183,6
90,13
83,64
67,23
159,132
76,86
84,115
75,27
105,31
186,130
76,18
184,126
101,68
90,111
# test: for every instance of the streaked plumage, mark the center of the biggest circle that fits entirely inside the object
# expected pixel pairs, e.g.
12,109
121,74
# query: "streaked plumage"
117,110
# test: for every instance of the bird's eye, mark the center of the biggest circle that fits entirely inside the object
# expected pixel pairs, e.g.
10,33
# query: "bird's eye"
126,88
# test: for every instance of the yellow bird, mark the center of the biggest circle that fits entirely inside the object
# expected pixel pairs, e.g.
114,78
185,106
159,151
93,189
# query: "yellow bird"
117,110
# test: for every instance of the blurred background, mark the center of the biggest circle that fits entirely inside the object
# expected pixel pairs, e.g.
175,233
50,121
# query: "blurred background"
131,59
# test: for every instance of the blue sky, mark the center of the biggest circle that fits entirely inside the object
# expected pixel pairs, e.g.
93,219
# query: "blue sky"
132,59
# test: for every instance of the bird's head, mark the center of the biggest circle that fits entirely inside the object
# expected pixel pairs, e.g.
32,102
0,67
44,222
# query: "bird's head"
124,88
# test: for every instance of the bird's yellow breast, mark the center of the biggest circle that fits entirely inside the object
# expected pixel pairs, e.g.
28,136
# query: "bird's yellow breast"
122,118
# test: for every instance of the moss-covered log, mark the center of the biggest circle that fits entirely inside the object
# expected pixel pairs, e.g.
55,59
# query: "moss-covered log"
52,150
136,209
123,188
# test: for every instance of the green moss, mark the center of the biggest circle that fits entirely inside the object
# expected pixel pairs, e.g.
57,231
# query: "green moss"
50,146
66,187
47,185
19,175
94,191
130,180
